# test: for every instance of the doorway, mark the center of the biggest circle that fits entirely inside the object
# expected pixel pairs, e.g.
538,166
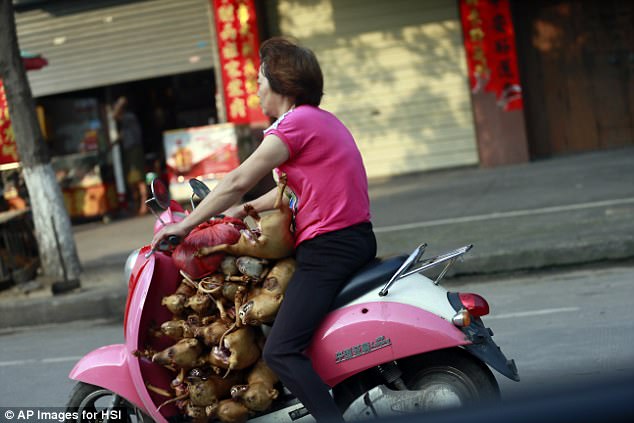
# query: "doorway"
577,65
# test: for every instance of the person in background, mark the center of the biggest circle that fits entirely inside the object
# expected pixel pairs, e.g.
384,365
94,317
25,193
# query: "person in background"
155,170
4,204
333,233
131,141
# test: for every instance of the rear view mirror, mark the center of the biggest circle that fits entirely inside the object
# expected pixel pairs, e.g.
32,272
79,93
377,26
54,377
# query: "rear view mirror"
160,200
160,194
200,190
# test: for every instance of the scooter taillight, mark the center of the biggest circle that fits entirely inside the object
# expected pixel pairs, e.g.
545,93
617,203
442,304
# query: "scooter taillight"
475,304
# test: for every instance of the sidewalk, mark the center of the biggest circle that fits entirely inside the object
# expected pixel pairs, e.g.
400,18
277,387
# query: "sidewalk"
563,211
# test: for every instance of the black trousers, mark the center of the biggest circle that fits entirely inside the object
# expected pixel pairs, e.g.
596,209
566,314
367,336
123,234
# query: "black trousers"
324,264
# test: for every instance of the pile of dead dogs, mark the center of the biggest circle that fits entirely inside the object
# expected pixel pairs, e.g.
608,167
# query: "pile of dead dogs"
216,325
217,354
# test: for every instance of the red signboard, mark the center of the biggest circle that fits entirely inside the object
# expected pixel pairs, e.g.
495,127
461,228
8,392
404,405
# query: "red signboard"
238,43
8,150
489,40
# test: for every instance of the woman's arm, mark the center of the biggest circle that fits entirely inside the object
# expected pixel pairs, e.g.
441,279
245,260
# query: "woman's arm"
271,153
260,204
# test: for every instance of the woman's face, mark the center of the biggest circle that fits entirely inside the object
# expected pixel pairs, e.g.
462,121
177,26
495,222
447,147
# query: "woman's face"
270,101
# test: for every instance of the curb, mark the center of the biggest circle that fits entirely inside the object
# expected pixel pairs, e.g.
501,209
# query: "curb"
82,305
557,255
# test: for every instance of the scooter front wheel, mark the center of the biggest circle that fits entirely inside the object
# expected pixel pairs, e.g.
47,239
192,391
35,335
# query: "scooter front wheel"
94,404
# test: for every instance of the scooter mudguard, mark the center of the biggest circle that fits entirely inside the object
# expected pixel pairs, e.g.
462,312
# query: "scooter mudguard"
157,277
114,367
361,336
485,349
108,368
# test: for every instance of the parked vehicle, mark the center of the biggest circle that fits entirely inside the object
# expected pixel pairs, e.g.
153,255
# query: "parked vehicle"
394,341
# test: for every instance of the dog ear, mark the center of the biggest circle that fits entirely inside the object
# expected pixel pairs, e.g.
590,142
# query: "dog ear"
270,283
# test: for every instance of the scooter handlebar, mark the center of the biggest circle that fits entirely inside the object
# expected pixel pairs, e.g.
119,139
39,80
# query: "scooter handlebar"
168,243
174,240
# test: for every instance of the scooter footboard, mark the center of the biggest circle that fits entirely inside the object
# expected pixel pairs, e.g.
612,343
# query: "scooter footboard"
361,336
108,367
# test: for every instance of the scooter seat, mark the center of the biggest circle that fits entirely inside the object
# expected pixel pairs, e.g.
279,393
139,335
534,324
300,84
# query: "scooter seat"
371,276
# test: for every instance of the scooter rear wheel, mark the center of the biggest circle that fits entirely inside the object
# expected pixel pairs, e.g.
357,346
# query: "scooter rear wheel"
87,403
449,378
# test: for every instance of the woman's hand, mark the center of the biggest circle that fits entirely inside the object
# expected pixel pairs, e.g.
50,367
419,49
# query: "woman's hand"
176,229
236,211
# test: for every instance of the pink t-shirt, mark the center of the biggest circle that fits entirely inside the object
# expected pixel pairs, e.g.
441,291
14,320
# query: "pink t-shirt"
325,172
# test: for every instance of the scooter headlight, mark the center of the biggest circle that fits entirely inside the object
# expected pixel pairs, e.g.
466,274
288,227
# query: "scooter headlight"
129,265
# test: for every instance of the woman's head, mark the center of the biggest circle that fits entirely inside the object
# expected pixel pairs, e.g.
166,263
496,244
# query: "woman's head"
292,71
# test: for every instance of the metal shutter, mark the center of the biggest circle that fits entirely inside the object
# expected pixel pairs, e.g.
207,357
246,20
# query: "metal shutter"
96,43
395,74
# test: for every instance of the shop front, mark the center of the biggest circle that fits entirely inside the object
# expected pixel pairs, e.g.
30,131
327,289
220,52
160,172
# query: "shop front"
188,70
396,73
163,57
400,75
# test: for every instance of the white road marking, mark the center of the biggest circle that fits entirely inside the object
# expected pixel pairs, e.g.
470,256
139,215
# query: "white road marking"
532,313
16,363
31,361
498,215
60,359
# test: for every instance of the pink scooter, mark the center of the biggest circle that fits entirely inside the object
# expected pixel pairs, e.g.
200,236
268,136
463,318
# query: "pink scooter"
394,342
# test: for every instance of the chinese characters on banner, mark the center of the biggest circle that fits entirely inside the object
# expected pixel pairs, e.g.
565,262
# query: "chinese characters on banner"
489,41
8,149
238,44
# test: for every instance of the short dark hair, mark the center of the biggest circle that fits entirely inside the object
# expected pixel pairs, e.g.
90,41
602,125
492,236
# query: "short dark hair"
292,70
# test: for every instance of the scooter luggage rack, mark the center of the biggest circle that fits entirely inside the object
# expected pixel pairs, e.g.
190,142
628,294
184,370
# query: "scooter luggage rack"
414,259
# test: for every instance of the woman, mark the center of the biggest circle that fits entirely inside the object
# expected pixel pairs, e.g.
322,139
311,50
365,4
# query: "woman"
333,233
133,158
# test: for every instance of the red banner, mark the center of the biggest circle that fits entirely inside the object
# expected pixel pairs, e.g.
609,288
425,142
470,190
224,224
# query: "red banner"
8,149
238,44
489,40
